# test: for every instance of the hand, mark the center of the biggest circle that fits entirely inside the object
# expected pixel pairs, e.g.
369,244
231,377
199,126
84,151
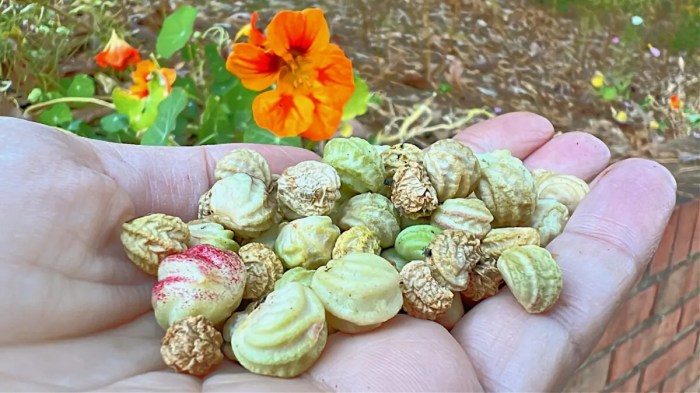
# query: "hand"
75,312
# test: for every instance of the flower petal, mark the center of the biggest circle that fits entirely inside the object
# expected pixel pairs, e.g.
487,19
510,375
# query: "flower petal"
117,54
294,33
325,120
284,114
256,68
334,71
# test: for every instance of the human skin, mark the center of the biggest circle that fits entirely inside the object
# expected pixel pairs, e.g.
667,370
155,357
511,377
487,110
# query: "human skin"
76,314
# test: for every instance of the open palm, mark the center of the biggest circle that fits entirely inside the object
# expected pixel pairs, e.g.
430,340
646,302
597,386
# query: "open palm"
75,313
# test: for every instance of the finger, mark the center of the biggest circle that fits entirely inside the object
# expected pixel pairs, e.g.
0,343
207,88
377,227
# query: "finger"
231,377
573,153
603,250
170,180
405,354
520,132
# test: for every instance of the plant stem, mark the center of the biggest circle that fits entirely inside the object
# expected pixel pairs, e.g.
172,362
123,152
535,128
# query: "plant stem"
88,100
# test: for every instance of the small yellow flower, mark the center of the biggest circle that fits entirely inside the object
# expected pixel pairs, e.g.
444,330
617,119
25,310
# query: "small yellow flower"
598,79
654,125
621,117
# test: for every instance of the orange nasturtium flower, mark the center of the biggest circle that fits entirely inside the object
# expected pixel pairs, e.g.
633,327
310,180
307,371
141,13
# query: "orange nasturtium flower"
143,74
117,54
313,78
675,102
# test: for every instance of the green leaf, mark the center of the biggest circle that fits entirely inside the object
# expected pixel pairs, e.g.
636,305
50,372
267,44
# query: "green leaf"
444,88
188,84
81,86
127,104
258,135
176,31
164,124
35,95
81,128
693,117
216,125
56,115
608,93
357,105
115,122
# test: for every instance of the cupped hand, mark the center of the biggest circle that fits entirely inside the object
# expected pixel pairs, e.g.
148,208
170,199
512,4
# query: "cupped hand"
75,311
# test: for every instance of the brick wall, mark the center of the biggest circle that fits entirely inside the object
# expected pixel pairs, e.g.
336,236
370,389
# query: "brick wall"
652,345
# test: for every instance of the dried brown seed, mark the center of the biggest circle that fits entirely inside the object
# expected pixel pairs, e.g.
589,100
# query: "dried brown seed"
356,239
397,155
148,240
245,161
484,280
412,192
507,188
263,269
309,188
452,167
423,296
192,345
501,239
451,256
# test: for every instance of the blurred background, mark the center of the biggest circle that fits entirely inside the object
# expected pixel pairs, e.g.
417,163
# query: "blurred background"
627,71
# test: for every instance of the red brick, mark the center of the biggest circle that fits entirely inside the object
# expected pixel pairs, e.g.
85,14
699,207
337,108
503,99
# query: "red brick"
691,312
687,218
630,385
694,388
695,248
692,280
634,311
672,290
590,378
634,351
662,257
658,370
684,377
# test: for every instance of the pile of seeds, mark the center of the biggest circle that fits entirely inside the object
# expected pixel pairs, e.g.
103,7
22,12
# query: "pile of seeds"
274,264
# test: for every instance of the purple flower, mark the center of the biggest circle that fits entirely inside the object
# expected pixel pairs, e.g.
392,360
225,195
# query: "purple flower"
497,110
615,40
654,51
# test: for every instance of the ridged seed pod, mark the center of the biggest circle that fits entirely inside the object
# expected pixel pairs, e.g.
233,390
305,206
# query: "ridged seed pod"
374,211
241,203
501,239
466,214
412,241
309,188
263,269
566,189
362,289
412,193
451,256
549,219
484,280
397,155
356,239
307,242
148,240
507,188
358,163
284,336
245,161
299,274
423,296
391,255
203,232
452,167
533,277
203,280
